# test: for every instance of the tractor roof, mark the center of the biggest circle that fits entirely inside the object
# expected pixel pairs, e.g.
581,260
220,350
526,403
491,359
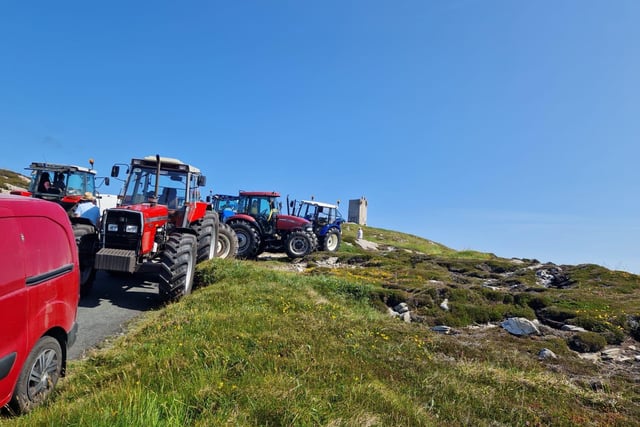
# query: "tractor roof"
314,203
59,168
260,193
167,163
224,196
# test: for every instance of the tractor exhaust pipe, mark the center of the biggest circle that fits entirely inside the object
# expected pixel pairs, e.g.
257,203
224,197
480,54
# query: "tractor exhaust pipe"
154,201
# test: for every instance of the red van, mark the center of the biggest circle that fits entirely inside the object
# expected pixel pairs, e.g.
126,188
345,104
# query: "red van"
39,294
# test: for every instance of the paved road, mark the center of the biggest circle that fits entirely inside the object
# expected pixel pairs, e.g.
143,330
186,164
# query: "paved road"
113,301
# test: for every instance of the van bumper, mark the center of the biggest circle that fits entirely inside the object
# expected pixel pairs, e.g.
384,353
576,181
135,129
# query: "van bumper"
73,334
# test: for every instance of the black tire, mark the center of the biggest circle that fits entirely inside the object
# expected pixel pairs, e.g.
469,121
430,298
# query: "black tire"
227,242
331,240
248,240
298,244
38,376
207,231
178,263
87,241
314,241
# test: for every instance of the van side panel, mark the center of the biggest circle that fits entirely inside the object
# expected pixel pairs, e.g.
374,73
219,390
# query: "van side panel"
13,306
39,280
48,275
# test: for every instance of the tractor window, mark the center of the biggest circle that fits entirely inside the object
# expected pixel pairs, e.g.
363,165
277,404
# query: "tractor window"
265,206
138,188
172,188
75,184
194,190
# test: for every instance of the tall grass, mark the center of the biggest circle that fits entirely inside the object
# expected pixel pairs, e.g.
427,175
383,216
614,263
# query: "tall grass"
253,346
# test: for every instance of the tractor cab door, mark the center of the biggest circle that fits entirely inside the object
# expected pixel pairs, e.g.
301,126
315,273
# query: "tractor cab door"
267,214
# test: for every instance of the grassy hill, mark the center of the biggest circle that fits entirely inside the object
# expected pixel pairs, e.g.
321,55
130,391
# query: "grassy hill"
271,342
10,180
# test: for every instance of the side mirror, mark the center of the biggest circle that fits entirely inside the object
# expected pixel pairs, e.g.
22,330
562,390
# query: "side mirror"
202,181
106,181
115,171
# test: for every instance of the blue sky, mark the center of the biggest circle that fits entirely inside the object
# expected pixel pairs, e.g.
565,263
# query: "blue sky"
508,127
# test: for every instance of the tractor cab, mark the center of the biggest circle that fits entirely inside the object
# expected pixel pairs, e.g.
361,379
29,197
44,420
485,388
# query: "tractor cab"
226,205
63,184
173,185
326,219
261,206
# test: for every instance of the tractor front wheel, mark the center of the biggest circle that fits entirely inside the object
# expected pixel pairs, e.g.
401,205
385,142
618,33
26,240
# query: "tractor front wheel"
298,244
331,241
248,240
178,262
87,242
227,242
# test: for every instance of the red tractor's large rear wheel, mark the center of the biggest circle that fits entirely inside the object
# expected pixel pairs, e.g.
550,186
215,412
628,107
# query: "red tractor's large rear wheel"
248,240
178,263
207,232
227,242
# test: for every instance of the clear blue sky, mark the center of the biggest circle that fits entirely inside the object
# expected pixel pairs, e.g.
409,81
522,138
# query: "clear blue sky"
508,127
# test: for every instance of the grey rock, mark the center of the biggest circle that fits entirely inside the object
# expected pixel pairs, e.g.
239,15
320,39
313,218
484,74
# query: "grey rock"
545,353
520,326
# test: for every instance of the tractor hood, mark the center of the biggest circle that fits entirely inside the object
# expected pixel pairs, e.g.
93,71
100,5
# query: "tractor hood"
290,222
150,212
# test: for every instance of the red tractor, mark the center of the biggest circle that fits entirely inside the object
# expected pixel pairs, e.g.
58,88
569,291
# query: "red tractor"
260,227
160,224
68,185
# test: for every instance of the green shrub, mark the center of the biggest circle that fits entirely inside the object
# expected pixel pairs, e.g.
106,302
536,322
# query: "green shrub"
587,342
535,301
558,314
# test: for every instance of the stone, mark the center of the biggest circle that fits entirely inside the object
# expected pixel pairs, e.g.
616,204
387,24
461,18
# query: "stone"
520,326
545,353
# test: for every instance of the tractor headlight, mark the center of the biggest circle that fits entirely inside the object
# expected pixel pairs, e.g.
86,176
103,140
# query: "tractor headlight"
309,228
112,227
131,228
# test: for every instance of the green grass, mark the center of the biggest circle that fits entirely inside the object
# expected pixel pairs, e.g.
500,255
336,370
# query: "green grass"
8,177
255,345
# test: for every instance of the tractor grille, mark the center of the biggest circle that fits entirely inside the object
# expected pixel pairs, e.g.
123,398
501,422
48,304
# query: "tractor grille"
123,229
116,260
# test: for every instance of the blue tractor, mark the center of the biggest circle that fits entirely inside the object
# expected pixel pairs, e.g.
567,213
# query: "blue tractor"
326,219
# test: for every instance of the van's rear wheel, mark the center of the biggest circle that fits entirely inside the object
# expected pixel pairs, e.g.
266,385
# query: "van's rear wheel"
39,375
178,263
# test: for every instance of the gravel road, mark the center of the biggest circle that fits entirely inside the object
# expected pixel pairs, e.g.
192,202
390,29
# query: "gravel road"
112,303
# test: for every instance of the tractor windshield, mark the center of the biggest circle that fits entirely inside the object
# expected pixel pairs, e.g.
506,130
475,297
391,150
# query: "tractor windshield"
257,205
172,187
62,182
319,212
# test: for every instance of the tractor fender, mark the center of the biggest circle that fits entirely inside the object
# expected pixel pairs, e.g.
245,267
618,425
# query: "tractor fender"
185,230
324,230
246,219
243,217
81,220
